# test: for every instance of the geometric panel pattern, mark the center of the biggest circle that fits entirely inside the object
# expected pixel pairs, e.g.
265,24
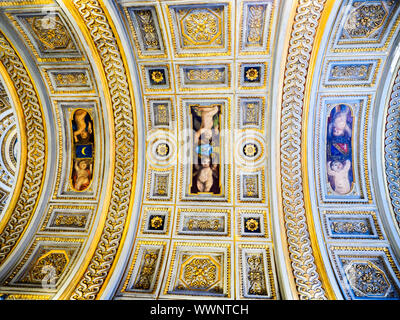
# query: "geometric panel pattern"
200,269
368,24
343,73
199,26
256,275
255,33
341,225
48,35
66,81
253,124
366,273
45,265
143,276
205,108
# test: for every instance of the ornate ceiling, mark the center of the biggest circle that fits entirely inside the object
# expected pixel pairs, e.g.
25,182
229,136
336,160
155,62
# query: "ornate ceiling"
227,149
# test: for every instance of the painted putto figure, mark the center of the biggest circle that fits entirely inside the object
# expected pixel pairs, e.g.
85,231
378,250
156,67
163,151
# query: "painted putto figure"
205,174
206,139
339,175
82,150
339,149
83,174
83,126
208,122
339,126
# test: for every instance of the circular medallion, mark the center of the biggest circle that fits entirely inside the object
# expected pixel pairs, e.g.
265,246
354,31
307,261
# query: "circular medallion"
250,150
162,149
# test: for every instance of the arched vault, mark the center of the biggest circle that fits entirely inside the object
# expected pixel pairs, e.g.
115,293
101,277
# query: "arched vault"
187,149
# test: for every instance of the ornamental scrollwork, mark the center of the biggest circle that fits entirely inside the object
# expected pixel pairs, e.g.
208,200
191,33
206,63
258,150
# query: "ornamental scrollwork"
93,15
36,149
304,269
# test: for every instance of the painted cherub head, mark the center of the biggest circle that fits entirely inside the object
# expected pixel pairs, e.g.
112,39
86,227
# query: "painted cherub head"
339,125
83,165
205,136
337,166
205,161
84,134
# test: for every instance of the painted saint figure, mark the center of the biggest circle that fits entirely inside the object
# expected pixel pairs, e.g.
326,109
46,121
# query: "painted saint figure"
339,149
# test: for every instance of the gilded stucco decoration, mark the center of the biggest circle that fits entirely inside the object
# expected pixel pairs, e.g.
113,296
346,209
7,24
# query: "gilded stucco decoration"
347,193
185,149
34,146
191,154
303,263
9,148
391,147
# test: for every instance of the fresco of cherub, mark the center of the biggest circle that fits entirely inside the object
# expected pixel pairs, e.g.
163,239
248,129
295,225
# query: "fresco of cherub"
82,174
338,173
83,128
205,174
208,123
339,125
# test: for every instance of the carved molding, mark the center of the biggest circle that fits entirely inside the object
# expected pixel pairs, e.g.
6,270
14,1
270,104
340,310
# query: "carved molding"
307,279
95,19
392,143
36,149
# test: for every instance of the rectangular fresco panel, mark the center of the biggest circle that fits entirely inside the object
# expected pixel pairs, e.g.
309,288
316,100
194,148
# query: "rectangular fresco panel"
339,149
204,165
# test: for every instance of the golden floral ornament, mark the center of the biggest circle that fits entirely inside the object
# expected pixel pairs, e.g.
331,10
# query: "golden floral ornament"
256,275
51,32
205,74
367,279
365,20
49,266
74,78
157,76
251,74
255,24
250,150
162,149
144,280
148,27
156,222
252,225
200,273
201,25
